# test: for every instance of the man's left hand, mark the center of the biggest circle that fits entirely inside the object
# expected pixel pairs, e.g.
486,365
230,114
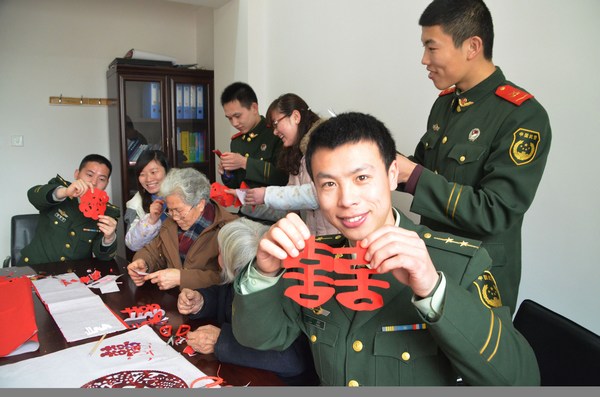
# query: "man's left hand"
108,226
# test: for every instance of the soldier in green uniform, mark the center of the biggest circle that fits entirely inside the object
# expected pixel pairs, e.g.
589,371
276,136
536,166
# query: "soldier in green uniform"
476,170
441,318
63,232
254,149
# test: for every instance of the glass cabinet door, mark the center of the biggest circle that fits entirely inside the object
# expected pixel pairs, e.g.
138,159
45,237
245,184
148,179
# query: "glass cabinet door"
192,126
143,123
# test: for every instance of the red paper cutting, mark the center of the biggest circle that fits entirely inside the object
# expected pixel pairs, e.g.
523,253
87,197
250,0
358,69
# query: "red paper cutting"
92,205
315,289
218,193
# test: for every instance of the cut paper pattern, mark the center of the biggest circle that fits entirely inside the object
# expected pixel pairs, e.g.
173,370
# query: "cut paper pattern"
92,205
219,194
315,288
142,315
137,380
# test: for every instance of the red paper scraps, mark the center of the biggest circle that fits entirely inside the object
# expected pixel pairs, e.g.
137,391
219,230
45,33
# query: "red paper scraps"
93,204
323,258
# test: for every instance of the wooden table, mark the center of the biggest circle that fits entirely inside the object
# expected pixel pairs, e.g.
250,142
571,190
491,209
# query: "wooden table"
52,340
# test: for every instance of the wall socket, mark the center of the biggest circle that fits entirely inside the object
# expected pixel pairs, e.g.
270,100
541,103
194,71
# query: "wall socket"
16,140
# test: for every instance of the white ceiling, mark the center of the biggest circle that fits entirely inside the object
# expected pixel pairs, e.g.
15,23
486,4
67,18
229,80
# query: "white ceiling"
203,3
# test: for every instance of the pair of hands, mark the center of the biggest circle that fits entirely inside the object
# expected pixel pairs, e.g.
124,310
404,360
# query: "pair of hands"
165,278
106,224
389,249
204,338
231,161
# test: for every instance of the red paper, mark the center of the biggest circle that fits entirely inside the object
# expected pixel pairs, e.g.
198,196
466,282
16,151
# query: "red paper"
315,289
17,317
218,193
93,204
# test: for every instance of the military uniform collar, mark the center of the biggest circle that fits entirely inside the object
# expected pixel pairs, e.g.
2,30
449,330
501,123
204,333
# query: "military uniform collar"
254,132
462,101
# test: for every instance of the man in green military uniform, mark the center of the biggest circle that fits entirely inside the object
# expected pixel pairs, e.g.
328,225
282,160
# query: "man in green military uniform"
63,232
476,170
254,149
442,316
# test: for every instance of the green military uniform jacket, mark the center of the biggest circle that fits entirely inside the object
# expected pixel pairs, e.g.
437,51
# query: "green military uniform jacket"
59,235
484,154
473,338
261,147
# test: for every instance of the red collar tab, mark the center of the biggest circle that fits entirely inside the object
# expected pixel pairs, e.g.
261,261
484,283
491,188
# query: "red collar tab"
448,91
236,135
512,94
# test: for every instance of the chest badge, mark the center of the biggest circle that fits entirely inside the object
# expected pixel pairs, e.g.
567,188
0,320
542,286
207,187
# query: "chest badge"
474,134
263,147
61,215
436,127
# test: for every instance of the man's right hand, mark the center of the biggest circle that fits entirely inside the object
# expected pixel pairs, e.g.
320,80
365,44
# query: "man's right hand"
285,238
75,189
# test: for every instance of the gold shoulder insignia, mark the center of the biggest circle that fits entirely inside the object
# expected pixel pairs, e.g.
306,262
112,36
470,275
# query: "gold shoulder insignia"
524,146
451,243
488,290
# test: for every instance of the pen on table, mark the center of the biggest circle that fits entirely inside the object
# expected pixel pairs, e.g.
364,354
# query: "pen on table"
97,344
407,327
85,229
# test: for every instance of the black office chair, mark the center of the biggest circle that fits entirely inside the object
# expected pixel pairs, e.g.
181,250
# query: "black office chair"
22,230
567,353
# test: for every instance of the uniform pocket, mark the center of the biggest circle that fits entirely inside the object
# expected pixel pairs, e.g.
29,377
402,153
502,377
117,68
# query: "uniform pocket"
468,159
323,338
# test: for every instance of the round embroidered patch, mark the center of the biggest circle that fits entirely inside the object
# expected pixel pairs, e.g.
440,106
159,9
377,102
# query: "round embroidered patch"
488,290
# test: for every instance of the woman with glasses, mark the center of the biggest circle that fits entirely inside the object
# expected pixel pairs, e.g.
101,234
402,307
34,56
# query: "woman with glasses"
184,254
146,209
293,122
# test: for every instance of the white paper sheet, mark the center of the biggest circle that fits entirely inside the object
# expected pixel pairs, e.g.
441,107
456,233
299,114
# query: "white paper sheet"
78,312
138,358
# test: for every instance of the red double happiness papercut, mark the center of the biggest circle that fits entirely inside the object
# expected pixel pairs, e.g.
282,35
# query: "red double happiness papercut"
92,205
316,288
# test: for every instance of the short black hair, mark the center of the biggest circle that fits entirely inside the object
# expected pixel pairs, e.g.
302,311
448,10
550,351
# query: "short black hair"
352,127
462,19
96,158
241,92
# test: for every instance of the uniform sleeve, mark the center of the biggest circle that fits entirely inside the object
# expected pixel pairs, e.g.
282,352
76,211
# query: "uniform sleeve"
141,232
40,196
506,187
479,338
291,198
263,320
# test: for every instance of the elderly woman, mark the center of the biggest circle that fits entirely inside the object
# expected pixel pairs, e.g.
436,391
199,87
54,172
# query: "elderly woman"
184,254
238,242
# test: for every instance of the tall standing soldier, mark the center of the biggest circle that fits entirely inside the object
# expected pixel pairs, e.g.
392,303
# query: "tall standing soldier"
477,168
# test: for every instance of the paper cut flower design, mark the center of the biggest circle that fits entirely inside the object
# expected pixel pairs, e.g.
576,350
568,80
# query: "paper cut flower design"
92,205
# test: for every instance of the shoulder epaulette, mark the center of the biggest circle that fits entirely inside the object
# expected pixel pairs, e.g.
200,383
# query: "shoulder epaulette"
448,91
236,135
62,181
512,94
452,243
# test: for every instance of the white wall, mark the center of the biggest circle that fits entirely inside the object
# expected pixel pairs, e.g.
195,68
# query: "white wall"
365,56
48,48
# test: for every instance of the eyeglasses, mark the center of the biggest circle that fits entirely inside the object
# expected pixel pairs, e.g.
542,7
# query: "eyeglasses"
177,213
278,120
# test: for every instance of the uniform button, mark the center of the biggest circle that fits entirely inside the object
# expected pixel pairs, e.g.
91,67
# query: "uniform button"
353,383
247,155
56,222
90,241
313,338
67,245
462,159
62,259
406,356
357,346
72,233
427,235
445,139
426,144
26,259
261,159
435,172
